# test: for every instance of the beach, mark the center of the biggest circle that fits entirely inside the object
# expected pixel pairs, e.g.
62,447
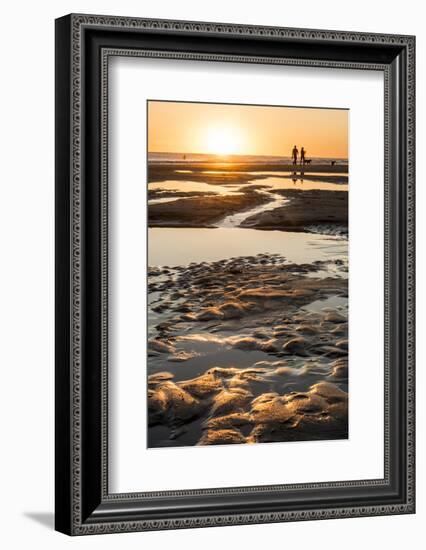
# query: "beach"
247,302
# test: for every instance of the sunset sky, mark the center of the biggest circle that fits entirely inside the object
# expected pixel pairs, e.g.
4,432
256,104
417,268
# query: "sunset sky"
246,129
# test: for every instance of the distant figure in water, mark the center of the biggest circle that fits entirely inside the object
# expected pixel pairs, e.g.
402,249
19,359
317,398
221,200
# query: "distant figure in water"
184,157
295,154
302,155
333,162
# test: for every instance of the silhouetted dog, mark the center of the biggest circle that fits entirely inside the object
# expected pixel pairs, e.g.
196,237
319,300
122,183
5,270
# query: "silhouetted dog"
308,161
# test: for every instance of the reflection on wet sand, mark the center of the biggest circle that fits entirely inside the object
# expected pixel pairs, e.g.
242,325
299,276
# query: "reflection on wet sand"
247,329
183,245
237,355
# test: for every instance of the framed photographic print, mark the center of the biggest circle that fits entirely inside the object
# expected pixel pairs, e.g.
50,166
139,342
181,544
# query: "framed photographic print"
234,274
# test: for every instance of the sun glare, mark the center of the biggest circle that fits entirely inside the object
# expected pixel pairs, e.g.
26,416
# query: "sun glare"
222,141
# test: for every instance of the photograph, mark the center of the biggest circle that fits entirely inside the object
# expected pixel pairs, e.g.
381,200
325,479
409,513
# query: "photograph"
209,285
234,261
248,272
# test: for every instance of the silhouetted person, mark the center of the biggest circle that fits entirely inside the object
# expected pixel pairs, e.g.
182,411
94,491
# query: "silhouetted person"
295,154
302,155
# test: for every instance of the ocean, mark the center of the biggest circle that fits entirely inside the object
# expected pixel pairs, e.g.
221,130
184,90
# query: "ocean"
255,159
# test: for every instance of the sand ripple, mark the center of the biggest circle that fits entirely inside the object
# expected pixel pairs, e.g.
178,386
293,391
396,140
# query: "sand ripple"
239,355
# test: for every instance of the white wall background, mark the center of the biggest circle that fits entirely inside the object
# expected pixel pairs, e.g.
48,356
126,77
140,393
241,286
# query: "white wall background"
27,262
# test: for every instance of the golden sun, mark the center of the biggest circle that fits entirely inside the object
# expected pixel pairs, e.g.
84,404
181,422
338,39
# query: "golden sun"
222,141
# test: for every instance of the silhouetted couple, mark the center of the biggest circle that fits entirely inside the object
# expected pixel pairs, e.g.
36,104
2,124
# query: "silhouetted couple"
295,154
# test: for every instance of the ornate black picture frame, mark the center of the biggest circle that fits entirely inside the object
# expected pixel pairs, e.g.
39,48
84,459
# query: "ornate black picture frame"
83,45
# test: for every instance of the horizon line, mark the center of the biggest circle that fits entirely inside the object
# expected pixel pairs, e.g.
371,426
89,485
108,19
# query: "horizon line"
237,154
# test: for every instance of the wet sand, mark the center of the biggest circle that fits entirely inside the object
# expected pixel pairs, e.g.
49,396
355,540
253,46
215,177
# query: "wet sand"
173,246
247,348
304,209
242,191
231,172
242,351
202,211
